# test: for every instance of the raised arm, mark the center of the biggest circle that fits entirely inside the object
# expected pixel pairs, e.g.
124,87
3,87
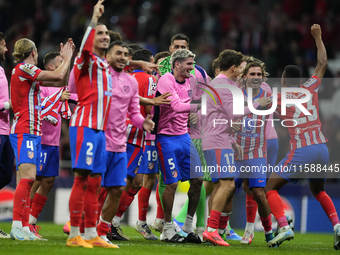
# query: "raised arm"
322,54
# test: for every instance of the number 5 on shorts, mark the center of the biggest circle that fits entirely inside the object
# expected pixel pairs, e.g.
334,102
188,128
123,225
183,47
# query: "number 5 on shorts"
171,164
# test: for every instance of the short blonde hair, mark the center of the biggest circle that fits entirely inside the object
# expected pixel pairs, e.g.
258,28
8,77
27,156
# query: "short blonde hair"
22,49
180,55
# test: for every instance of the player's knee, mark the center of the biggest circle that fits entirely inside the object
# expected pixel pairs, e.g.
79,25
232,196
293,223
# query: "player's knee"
172,187
48,182
259,194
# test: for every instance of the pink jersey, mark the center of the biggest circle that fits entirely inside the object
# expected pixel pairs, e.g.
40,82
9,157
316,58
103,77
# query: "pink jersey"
4,115
173,118
219,137
252,134
125,98
270,129
25,98
308,130
50,133
93,83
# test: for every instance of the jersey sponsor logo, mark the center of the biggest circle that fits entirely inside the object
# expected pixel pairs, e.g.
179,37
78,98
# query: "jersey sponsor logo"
89,160
30,154
310,82
174,173
126,89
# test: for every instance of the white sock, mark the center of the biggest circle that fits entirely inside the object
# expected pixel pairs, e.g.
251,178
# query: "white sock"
74,231
104,237
141,223
32,220
336,226
250,226
26,229
187,227
116,221
211,229
159,221
90,233
16,224
221,231
168,230
268,232
106,222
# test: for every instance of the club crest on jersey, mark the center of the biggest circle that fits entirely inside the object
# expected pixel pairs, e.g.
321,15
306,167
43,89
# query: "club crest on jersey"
89,160
126,89
174,173
248,127
151,165
30,154
136,170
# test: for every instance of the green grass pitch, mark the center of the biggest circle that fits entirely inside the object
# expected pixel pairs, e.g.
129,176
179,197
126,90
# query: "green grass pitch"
302,244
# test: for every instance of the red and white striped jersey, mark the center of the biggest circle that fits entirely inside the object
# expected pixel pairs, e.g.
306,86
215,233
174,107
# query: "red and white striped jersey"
307,129
25,99
252,134
146,88
93,85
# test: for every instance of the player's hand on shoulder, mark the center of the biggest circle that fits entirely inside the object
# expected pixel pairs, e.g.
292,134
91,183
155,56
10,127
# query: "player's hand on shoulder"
148,124
193,117
162,99
316,31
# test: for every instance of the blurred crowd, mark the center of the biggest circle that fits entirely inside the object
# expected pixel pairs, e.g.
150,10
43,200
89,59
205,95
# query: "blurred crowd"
276,31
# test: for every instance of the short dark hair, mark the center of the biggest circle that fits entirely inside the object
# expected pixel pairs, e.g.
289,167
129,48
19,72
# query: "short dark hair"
115,36
143,54
50,57
228,58
119,43
180,37
215,65
162,54
2,36
131,51
292,75
135,46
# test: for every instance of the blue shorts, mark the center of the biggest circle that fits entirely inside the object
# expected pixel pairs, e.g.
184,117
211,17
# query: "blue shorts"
149,163
178,158
115,175
220,164
49,163
292,167
253,170
88,149
26,148
135,156
272,151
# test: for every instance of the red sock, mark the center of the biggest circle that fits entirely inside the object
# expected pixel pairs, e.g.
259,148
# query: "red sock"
251,208
76,202
101,201
160,212
26,215
31,201
37,205
103,228
82,225
328,206
276,207
267,222
223,222
214,219
20,197
143,203
208,220
91,202
124,205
